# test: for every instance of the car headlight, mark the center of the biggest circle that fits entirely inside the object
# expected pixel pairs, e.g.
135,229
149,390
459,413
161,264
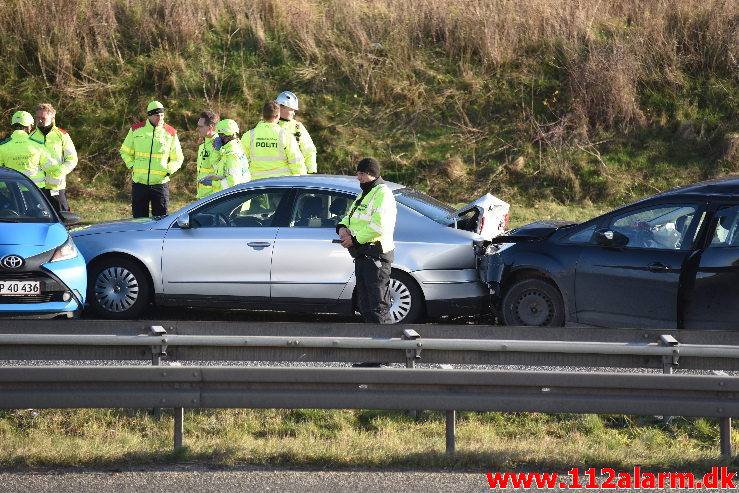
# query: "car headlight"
65,251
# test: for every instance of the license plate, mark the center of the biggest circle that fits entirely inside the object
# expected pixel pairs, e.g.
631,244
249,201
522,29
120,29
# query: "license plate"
20,287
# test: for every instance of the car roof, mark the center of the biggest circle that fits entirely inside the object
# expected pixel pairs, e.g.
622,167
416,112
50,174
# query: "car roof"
723,187
347,183
11,173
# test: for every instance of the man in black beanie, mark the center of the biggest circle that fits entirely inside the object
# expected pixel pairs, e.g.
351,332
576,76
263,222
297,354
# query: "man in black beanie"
367,232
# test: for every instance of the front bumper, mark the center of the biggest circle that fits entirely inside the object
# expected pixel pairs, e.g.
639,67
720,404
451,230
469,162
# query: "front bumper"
63,289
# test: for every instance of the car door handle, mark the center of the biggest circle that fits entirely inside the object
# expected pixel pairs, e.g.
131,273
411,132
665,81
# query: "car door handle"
658,267
258,244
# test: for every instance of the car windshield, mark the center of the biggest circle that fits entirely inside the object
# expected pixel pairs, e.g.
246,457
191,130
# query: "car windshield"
423,204
22,202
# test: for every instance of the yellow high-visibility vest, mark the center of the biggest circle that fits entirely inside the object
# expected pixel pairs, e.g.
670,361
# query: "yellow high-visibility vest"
59,144
28,156
272,151
152,153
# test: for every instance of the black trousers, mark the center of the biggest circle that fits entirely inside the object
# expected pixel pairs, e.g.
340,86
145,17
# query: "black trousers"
58,200
143,195
373,288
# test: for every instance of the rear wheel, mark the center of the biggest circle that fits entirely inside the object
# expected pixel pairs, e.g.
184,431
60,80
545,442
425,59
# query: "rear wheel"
533,302
407,298
118,288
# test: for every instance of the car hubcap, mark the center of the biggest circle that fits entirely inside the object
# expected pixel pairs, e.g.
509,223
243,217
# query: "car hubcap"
401,300
116,289
534,308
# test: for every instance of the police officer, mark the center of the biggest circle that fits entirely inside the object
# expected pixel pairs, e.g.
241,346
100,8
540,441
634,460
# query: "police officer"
152,152
232,167
288,106
24,154
367,232
272,151
207,154
59,144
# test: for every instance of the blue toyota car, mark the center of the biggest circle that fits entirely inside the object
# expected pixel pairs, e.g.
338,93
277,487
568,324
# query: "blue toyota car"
41,272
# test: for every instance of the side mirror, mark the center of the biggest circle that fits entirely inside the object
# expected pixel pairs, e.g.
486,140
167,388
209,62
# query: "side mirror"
183,221
610,238
70,218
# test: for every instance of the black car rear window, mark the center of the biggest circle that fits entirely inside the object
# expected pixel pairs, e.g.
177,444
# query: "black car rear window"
423,204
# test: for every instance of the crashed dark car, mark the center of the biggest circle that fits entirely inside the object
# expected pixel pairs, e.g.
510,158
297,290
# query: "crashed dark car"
667,261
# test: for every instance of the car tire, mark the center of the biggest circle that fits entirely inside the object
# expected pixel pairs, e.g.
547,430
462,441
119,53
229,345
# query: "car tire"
407,299
118,288
534,302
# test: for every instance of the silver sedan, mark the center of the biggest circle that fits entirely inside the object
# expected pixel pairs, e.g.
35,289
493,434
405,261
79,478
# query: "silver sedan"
271,244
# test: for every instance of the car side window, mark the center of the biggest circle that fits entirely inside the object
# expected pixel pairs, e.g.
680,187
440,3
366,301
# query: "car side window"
664,226
252,209
319,209
582,236
726,232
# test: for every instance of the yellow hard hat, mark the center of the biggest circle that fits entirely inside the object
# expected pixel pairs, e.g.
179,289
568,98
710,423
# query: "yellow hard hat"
227,127
154,106
22,117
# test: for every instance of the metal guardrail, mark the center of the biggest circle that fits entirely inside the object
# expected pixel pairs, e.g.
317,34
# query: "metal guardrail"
434,344
527,391
337,388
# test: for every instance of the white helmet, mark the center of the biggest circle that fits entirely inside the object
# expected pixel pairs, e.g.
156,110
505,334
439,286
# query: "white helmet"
286,98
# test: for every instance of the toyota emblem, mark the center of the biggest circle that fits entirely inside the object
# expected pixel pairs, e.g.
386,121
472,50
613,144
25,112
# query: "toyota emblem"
12,262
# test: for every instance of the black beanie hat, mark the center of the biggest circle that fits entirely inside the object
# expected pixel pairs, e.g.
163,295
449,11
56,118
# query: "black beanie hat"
370,166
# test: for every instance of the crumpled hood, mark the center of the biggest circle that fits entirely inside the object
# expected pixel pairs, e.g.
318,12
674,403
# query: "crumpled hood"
139,224
33,238
538,231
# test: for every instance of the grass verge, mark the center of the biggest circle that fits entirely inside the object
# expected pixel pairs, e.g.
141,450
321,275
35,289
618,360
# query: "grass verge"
347,439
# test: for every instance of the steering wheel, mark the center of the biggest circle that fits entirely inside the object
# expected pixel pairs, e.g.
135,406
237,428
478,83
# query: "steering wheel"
9,213
222,219
643,238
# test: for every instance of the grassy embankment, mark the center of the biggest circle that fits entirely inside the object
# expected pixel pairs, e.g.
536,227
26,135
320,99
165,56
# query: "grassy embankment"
562,108
584,104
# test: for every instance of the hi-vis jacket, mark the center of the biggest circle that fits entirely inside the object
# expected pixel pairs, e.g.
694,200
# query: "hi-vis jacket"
207,155
152,153
232,166
272,152
28,156
307,147
372,217
59,144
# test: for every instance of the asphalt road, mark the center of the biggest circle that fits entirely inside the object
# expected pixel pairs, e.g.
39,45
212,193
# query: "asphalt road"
198,479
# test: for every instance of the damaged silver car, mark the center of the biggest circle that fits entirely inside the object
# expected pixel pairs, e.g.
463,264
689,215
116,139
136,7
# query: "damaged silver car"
270,244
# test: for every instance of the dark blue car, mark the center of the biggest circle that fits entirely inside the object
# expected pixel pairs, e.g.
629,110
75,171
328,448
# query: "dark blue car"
667,261
41,271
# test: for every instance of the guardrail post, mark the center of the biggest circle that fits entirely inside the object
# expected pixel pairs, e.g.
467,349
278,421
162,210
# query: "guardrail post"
179,418
156,358
411,355
451,424
669,362
725,432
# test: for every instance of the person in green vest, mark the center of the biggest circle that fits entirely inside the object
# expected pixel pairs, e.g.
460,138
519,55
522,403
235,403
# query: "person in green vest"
271,150
22,153
152,152
367,233
232,166
59,144
207,154
288,107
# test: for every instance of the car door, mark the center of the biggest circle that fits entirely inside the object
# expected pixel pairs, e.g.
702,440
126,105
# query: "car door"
308,264
226,252
637,284
712,301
